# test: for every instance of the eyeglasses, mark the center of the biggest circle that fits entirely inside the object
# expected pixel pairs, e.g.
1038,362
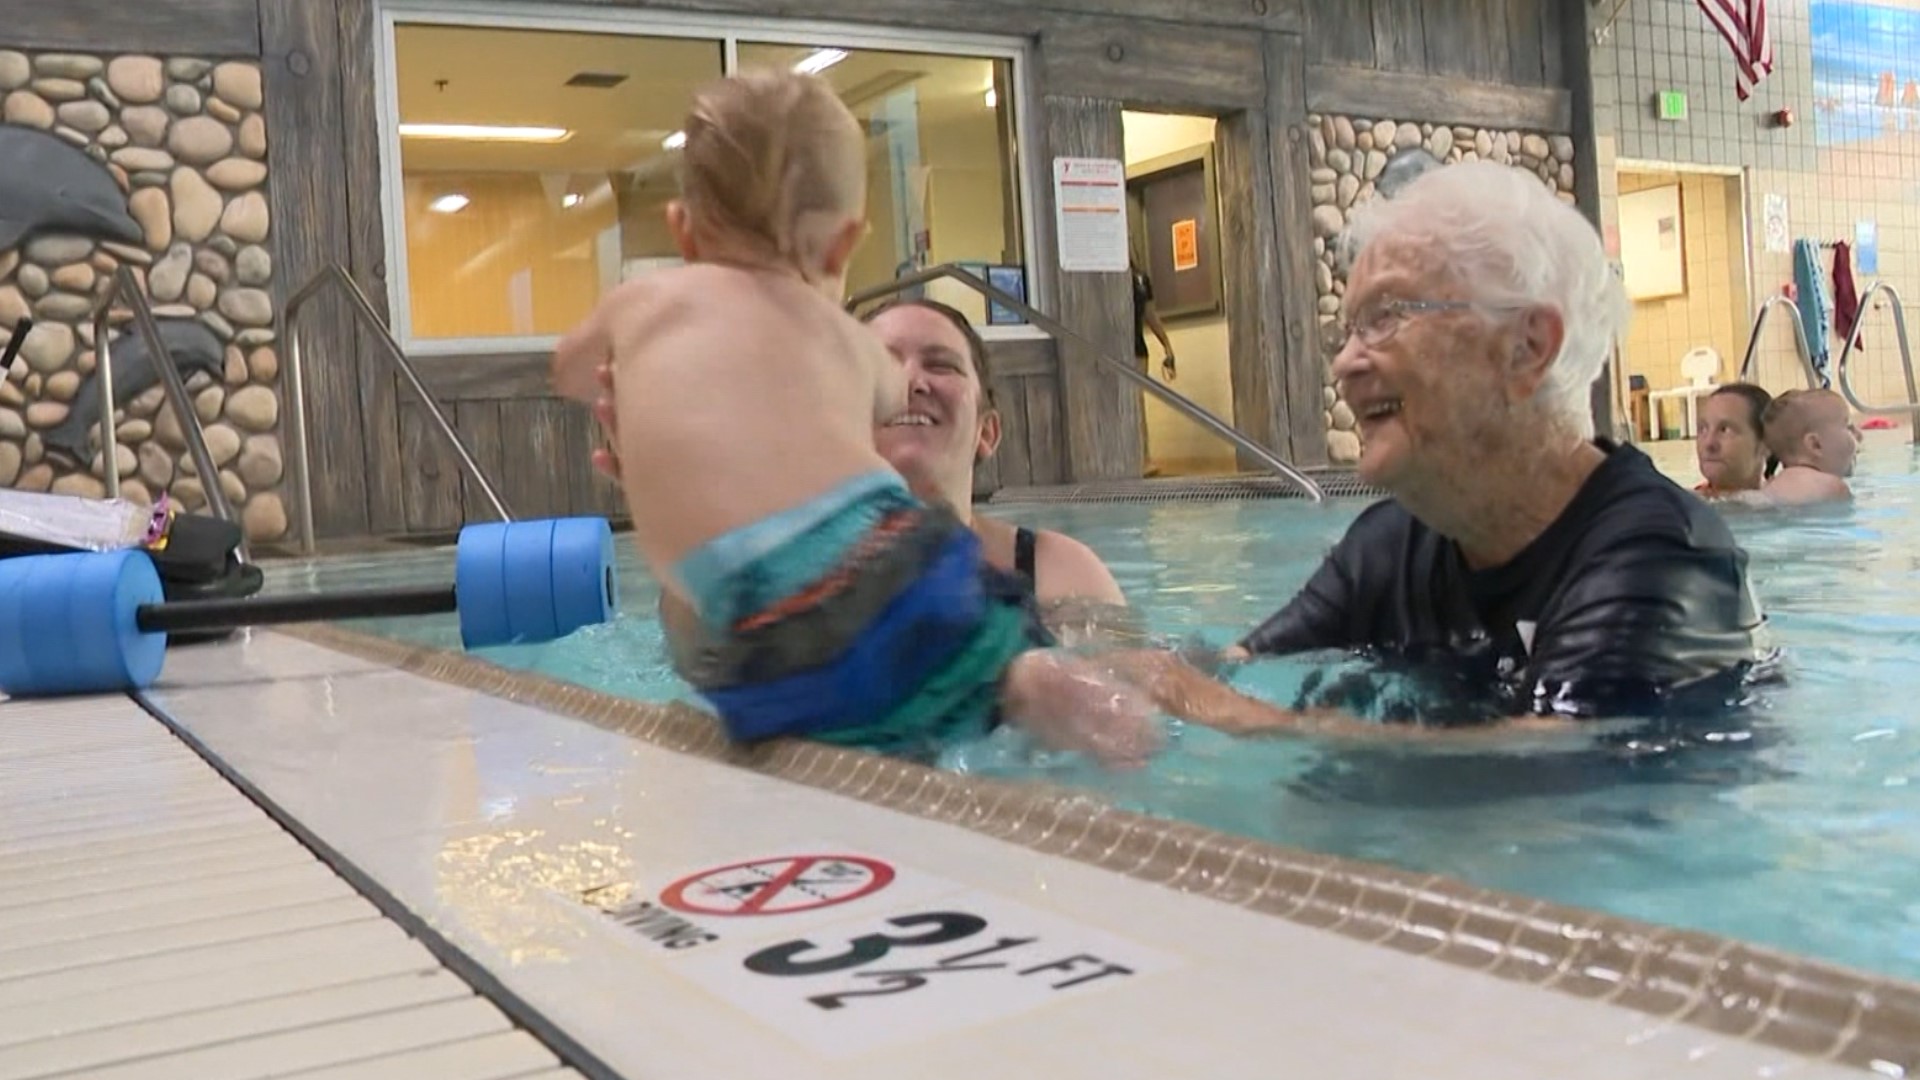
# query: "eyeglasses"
1382,320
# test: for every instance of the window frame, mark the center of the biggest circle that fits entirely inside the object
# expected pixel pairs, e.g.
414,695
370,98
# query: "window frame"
726,30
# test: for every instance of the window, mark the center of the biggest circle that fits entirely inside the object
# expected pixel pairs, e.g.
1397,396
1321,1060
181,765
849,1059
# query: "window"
530,165
940,184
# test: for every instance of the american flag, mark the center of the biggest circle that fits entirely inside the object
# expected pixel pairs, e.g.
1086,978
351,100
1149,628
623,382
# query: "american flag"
1744,24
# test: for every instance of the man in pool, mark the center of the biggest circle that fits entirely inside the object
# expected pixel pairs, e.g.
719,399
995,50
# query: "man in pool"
1812,434
1545,572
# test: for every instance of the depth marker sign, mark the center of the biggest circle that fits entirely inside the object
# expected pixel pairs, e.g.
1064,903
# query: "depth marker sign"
782,885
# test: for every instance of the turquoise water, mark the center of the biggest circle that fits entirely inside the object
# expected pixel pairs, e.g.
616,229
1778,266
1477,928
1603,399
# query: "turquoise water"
1798,827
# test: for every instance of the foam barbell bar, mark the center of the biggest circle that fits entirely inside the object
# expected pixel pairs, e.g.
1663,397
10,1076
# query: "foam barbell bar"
98,622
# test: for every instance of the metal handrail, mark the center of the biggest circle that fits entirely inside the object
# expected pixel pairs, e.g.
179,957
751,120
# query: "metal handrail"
1177,401
126,288
1799,341
1912,407
363,308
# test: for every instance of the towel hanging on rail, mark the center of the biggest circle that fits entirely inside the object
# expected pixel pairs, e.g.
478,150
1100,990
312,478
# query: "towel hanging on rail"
1846,302
1815,314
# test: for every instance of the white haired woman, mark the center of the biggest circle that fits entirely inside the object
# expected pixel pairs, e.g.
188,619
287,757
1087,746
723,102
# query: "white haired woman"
1558,573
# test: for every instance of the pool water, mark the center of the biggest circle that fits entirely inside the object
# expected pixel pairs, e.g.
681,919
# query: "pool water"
1798,827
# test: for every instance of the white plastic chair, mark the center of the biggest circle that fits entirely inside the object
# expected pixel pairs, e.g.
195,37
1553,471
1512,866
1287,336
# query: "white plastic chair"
1700,366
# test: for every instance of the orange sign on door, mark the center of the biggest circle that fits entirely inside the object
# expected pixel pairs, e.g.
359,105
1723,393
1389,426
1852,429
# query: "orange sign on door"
1186,244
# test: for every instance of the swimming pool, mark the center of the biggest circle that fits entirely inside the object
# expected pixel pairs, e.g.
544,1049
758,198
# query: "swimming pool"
1799,829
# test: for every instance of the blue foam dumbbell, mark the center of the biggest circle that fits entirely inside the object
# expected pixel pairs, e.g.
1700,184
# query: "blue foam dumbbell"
97,623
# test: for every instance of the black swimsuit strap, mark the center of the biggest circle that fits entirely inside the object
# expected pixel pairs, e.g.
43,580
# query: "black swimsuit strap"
1023,549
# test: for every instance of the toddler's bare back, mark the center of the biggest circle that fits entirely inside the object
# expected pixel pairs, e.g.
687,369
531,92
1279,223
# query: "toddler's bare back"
739,394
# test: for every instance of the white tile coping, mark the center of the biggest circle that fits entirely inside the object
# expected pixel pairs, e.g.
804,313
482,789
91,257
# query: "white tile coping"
503,825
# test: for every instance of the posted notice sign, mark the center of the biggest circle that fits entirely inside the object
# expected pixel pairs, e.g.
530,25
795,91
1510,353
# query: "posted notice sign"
1090,213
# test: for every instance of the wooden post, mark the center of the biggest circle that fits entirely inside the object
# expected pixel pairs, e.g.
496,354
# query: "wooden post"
1576,41
300,65
366,255
1299,339
1256,306
1102,411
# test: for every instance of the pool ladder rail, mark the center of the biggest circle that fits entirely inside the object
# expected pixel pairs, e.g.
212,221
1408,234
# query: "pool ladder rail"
125,289
1843,367
1175,400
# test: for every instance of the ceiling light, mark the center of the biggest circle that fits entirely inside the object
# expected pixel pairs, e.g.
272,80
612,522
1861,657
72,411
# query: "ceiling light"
485,132
674,141
820,61
448,204
993,98
570,200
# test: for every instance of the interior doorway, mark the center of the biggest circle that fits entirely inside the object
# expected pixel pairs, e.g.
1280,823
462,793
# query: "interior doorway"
1683,250
1174,229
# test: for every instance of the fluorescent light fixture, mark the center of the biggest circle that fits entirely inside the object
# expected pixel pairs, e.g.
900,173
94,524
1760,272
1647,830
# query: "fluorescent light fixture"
674,141
993,97
820,61
485,132
570,200
448,204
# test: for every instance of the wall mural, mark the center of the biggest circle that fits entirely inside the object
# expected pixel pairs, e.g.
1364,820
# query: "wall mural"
1354,160
1866,71
159,164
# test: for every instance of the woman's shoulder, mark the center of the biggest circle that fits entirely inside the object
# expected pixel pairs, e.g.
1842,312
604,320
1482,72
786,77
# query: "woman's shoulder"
1065,567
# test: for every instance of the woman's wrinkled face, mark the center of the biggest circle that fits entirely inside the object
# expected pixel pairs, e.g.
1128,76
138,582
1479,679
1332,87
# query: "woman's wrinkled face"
1732,457
944,429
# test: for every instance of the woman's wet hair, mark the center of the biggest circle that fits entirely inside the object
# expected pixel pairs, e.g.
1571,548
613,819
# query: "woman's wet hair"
976,347
1758,402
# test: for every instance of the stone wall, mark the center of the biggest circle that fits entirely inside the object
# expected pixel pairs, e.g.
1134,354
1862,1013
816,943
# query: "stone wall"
1348,155
186,143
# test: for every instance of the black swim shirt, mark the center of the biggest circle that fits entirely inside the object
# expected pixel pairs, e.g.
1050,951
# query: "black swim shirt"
1635,595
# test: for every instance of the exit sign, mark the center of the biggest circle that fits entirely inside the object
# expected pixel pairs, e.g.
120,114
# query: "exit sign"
1672,105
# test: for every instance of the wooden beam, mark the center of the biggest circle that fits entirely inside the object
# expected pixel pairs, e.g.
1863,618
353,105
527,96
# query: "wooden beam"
367,260
1400,34
1526,66
1250,244
300,65
208,28
1286,68
1437,99
1340,32
1002,16
1141,64
1101,411
489,377
1018,358
1577,61
430,486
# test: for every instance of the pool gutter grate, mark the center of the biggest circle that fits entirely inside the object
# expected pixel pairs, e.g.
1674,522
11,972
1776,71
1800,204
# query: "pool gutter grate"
1338,484
1801,1005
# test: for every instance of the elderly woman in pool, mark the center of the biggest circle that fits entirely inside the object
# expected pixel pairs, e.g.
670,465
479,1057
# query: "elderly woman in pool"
951,425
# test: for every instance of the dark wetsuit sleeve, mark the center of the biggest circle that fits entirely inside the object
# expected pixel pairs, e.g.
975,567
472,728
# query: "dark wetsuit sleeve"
1645,620
1316,618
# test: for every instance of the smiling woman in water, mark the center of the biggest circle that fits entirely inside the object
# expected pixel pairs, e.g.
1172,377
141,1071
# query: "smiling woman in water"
950,424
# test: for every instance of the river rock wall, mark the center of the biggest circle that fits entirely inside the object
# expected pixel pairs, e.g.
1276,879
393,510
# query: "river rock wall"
185,141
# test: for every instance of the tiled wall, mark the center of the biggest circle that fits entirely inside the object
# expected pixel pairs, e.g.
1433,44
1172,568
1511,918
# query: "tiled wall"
1712,310
1835,166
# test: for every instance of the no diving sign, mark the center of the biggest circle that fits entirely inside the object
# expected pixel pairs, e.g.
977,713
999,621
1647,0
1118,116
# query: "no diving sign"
784,885
848,953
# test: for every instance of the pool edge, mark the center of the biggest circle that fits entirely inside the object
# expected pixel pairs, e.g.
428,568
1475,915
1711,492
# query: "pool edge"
1789,1002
